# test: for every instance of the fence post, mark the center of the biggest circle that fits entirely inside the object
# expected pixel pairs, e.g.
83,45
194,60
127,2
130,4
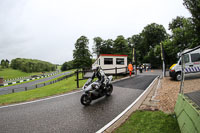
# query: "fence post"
44,84
25,88
36,86
115,72
82,73
13,91
77,79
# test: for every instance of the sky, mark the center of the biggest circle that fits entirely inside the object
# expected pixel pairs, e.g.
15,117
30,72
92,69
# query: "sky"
48,29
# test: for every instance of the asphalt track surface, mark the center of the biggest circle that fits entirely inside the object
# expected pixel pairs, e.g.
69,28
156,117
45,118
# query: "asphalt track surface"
33,82
65,113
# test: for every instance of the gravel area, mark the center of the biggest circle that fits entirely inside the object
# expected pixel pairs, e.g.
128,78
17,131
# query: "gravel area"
167,94
164,96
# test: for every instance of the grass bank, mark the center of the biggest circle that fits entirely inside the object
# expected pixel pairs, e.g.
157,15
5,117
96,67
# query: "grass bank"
9,73
150,122
61,87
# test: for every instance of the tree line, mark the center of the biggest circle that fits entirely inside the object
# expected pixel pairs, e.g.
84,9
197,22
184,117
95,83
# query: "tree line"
32,65
184,34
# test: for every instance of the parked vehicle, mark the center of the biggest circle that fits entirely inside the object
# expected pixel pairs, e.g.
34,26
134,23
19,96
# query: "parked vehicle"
93,91
192,64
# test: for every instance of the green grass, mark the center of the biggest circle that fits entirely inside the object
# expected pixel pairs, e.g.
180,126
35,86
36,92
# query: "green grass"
61,87
35,80
59,67
9,73
150,122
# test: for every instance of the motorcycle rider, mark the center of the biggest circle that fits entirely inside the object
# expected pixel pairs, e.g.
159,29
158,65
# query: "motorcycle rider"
98,72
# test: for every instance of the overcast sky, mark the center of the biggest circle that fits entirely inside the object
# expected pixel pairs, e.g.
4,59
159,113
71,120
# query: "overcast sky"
48,29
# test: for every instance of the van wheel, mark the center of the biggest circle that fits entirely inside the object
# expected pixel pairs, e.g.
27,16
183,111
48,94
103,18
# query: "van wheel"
178,76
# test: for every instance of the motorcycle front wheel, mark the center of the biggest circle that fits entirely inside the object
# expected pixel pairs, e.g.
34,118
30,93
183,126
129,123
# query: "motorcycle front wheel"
85,99
109,90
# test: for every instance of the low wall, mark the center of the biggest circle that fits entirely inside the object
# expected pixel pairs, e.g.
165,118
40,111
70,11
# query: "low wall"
188,115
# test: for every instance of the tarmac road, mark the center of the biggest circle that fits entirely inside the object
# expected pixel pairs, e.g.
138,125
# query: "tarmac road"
65,113
3,89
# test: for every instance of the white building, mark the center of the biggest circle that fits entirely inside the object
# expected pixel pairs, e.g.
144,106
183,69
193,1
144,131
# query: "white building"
111,61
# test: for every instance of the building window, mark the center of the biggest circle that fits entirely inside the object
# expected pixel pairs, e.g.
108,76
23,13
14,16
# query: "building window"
120,61
108,61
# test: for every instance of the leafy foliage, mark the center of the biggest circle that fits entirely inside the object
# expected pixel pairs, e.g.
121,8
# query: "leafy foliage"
97,45
4,63
81,54
147,42
194,7
31,65
67,66
120,45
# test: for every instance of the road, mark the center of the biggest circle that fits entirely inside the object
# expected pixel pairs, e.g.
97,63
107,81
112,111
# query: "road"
66,114
4,89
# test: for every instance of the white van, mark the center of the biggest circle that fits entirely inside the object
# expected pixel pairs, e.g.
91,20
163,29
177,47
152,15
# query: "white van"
192,64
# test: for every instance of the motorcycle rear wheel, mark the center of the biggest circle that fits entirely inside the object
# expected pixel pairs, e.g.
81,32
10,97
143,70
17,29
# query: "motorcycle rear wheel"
85,99
109,90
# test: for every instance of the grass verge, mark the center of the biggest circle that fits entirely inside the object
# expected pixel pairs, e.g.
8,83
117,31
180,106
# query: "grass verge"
61,87
150,122
10,73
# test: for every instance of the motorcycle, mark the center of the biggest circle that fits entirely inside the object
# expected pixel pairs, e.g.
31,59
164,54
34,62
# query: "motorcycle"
93,91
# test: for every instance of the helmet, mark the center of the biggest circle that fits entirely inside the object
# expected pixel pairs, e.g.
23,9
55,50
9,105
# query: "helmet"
95,68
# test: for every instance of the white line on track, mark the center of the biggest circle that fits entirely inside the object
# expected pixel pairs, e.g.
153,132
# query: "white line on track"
40,99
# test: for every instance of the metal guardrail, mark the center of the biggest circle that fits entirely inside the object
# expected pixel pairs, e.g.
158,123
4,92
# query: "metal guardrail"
8,91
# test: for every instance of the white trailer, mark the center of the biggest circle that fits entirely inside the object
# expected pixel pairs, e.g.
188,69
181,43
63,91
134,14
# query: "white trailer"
111,61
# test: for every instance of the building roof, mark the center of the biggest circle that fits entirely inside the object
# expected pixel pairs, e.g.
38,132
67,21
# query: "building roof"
112,55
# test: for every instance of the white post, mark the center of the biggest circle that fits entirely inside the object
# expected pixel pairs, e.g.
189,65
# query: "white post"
163,68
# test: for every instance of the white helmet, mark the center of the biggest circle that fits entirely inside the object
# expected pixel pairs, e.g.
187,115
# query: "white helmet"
95,67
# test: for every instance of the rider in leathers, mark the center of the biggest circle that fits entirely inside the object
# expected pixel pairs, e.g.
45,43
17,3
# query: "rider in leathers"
100,75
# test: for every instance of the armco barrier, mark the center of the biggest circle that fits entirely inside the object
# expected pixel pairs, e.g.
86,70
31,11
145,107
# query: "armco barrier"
188,115
17,80
2,92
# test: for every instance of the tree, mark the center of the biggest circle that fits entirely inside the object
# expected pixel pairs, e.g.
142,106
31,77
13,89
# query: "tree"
67,66
107,47
183,34
97,45
194,8
81,54
137,42
3,63
120,45
7,63
151,36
